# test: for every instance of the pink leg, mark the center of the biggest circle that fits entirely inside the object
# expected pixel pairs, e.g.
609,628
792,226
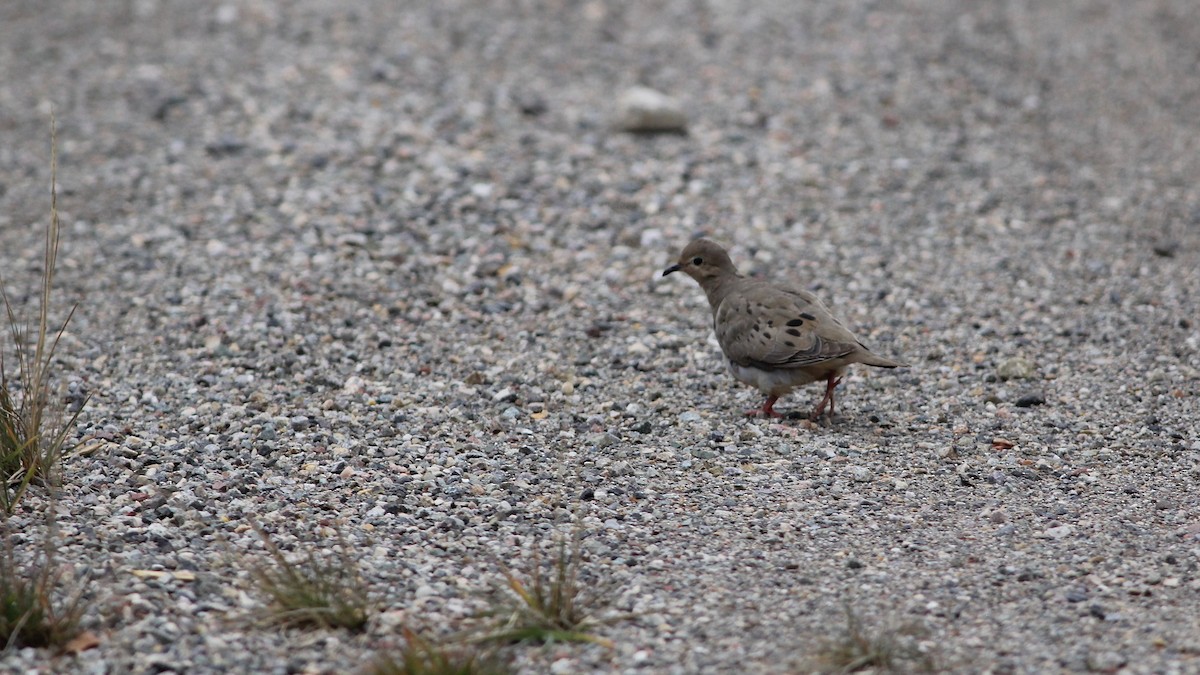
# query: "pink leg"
830,382
767,409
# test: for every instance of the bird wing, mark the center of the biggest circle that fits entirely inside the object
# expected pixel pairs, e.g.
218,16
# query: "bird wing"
770,327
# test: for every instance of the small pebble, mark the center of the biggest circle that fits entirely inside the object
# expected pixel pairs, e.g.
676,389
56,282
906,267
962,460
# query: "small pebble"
1016,368
1030,400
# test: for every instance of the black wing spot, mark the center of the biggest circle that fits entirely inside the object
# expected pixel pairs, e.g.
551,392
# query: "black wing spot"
796,322
806,315
789,343
767,334
794,332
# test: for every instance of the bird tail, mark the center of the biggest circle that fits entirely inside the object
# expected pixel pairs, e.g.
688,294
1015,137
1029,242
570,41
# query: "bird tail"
872,359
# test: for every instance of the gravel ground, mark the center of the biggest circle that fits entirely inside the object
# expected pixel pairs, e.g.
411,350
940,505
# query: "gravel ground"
388,268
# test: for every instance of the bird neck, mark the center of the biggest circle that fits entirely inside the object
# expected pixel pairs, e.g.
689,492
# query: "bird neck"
718,288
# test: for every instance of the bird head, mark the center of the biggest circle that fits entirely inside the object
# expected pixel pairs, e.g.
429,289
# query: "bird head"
703,260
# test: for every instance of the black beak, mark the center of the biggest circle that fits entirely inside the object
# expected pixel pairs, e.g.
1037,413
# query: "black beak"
672,268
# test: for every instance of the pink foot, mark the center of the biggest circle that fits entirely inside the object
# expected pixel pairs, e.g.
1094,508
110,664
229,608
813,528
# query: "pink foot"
761,412
767,409
830,383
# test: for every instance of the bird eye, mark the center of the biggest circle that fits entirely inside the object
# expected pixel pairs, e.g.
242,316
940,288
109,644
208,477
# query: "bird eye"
697,261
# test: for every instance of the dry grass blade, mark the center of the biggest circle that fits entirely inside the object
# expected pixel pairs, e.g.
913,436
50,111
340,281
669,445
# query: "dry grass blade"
33,430
552,606
420,657
315,593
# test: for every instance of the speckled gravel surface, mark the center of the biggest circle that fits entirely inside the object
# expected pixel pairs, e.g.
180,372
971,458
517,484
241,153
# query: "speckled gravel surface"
387,267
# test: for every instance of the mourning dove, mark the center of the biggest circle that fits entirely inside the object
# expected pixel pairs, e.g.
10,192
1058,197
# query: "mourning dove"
775,338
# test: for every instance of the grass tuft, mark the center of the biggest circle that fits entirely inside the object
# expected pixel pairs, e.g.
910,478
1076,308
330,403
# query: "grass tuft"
887,649
549,604
33,429
30,615
419,657
315,593
33,432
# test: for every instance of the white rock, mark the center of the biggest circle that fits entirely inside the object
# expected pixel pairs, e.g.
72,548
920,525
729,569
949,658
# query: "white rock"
861,474
644,109
354,385
1059,532
216,248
